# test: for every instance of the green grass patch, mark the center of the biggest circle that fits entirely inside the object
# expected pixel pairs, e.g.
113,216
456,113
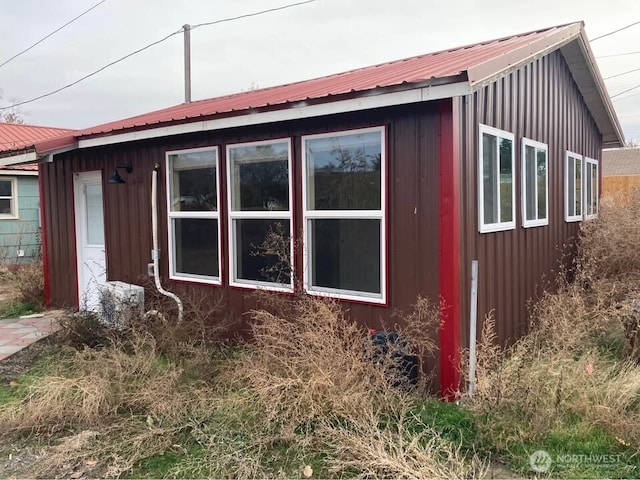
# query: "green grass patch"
18,309
451,421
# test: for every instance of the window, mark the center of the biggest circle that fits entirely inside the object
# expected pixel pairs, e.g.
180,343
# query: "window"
535,197
260,219
496,190
344,214
8,198
194,229
591,188
573,188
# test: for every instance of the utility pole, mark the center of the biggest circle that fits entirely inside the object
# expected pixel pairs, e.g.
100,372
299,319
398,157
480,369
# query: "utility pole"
187,63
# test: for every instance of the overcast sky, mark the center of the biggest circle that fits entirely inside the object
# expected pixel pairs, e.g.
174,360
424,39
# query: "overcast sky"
320,38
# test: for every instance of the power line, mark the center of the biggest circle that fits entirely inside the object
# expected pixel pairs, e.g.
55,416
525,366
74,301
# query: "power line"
623,73
92,73
145,48
619,54
625,91
252,14
615,31
52,33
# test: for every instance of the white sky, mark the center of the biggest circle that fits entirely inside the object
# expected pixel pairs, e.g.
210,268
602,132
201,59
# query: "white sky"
321,38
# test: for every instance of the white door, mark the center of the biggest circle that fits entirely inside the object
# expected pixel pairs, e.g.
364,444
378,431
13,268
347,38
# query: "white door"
91,253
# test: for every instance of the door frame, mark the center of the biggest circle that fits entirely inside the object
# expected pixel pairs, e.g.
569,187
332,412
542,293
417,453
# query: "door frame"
80,180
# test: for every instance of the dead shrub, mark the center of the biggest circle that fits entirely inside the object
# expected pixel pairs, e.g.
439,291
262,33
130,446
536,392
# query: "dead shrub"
571,365
395,451
29,282
312,364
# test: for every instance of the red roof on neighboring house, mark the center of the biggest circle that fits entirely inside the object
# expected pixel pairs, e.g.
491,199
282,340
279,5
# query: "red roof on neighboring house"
30,167
14,136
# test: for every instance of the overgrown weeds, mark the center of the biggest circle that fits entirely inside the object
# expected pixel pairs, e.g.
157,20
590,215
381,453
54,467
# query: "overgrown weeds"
577,368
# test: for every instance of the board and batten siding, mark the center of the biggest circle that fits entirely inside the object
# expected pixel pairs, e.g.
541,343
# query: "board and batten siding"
412,218
539,101
22,233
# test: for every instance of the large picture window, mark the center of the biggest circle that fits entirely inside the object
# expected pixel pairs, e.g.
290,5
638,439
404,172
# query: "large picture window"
496,192
344,214
8,198
591,188
260,219
535,182
194,226
573,188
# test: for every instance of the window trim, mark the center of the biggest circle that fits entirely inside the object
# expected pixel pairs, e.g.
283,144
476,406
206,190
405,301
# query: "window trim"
308,215
258,215
526,142
13,200
573,218
214,215
498,226
594,162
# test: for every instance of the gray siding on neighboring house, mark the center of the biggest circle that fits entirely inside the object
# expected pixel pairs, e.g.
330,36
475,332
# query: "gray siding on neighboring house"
22,233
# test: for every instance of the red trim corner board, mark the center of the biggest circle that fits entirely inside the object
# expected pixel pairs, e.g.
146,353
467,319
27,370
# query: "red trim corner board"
43,237
449,245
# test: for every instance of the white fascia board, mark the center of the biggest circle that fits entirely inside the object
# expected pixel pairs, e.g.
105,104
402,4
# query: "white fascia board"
29,157
298,111
18,173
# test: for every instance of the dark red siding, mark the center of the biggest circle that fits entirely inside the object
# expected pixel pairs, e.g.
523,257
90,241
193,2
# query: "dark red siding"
412,218
541,102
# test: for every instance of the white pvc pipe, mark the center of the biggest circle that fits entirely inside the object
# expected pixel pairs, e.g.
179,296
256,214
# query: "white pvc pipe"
155,253
473,320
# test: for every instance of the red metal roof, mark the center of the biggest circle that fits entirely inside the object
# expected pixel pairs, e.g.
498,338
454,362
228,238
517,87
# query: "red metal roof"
15,136
439,65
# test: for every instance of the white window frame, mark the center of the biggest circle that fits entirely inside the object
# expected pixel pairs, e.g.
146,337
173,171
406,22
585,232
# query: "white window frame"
308,215
234,281
573,156
538,222
13,200
212,215
596,189
498,226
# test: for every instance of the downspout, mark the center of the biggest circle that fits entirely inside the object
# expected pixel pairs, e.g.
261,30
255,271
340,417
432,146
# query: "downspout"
155,253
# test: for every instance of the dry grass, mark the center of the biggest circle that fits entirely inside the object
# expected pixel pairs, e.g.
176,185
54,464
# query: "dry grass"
578,362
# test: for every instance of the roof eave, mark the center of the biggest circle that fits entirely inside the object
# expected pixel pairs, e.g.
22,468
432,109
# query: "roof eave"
581,62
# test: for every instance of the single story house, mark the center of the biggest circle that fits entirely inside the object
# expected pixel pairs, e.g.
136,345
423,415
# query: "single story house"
620,170
19,195
392,178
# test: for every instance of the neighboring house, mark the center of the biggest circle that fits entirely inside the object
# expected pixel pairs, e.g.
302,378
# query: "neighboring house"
393,178
620,170
19,195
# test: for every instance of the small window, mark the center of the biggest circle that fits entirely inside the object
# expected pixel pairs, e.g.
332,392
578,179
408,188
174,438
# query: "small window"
496,192
573,187
8,198
344,214
591,188
260,218
194,227
535,182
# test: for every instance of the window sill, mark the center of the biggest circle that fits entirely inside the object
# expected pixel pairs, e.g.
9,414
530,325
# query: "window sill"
264,286
573,219
7,216
349,295
535,223
196,279
497,227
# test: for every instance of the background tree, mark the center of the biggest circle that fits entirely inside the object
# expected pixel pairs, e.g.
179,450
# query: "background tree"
12,114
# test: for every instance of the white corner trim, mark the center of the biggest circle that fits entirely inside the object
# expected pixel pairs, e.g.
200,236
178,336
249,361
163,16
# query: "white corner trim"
299,110
29,157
